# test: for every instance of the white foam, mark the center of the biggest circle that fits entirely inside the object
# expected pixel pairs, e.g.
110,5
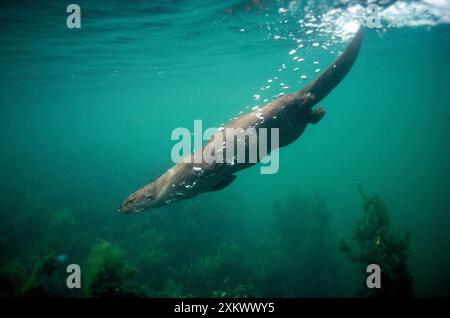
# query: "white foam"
344,22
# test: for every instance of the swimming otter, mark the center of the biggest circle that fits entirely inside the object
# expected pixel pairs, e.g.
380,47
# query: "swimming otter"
290,113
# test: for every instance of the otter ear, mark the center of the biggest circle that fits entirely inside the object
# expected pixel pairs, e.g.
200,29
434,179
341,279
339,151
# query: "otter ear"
224,183
316,115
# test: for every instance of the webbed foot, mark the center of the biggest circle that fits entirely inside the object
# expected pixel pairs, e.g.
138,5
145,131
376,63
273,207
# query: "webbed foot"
316,115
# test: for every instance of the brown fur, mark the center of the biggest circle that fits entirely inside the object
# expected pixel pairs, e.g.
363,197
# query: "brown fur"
290,114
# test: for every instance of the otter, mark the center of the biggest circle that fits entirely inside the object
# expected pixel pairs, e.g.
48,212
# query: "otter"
290,114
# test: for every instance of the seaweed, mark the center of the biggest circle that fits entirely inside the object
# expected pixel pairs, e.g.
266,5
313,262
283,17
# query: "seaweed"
109,275
227,272
304,246
373,242
188,251
11,279
19,280
153,259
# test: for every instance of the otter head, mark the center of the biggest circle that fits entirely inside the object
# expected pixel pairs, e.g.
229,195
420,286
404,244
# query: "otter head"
154,195
146,198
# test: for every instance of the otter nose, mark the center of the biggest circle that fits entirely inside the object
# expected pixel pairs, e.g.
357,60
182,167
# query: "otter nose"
123,208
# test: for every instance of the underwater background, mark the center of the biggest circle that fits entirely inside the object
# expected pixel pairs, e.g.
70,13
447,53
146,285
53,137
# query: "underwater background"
86,117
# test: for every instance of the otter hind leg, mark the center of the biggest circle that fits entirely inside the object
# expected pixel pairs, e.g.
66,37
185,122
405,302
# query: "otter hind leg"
316,115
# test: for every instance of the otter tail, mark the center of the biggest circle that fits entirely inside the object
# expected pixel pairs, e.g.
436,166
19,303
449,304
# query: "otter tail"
328,79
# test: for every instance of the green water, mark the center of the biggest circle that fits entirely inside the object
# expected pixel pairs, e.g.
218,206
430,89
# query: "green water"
86,117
